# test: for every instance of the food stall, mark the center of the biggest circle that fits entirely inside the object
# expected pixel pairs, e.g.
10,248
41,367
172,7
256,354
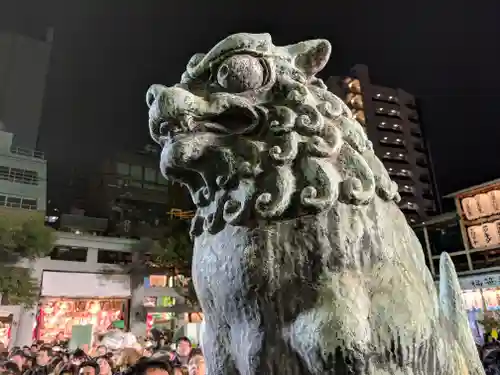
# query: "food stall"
61,314
5,327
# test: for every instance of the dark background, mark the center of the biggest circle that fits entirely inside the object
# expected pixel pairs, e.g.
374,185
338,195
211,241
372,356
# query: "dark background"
106,53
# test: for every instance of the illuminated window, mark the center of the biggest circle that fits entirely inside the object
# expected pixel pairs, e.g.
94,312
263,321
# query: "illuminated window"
114,257
18,175
69,253
158,281
406,189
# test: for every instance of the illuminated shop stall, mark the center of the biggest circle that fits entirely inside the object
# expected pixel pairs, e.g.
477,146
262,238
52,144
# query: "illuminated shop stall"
70,299
167,312
5,330
478,208
61,314
481,293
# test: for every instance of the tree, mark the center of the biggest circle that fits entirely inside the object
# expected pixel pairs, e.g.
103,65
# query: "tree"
174,254
23,237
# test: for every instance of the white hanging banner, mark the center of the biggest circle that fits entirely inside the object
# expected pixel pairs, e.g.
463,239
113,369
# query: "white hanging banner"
85,285
491,280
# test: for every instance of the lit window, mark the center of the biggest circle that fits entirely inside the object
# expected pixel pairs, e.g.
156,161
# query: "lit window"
398,140
381,109
390,98
382,123
378,95
158,281
385,138
387,153
395,126
400,155
393,111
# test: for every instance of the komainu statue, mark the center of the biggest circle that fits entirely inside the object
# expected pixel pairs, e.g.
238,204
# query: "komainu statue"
303,262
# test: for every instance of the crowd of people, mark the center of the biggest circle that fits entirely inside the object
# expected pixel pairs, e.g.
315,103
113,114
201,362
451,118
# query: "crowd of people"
148,358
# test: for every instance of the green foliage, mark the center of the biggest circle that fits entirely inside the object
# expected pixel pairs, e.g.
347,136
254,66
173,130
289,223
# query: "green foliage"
490,321
22,238
173,253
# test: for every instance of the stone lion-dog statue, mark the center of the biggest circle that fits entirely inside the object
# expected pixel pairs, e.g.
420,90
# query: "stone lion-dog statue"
303,262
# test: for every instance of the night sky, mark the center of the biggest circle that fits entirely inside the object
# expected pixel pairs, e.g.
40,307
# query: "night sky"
106,54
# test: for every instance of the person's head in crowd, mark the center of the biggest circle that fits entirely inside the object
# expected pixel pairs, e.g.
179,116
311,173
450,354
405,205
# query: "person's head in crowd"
105,366
127,358
27,350
67,369
43,355
152,367
78,357
88,368
196,364
147,352
60,337
29,362
19,358
180,370
183,347
101,350
34,348
11,368
53,364
14,349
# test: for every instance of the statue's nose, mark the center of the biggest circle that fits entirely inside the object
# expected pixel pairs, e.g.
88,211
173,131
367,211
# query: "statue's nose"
153,93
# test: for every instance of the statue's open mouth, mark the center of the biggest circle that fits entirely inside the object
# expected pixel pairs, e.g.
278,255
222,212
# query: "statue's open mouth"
234,120
188,142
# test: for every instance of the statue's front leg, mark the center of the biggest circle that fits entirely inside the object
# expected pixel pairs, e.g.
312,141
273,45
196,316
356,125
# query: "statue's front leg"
215,345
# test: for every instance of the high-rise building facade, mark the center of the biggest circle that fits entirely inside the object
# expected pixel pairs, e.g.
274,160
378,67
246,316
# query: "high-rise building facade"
127,197
24,64
23,176
391,120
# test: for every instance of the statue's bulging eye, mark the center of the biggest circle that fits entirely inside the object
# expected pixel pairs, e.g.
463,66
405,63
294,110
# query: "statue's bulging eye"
241,73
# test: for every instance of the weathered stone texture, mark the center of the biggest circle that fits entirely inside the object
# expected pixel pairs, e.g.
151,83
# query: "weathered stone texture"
303,262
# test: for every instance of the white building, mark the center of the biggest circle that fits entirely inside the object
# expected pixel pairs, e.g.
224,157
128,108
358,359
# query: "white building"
84,267
23,176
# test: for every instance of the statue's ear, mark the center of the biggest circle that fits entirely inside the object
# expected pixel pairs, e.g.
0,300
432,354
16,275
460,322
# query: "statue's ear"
311,56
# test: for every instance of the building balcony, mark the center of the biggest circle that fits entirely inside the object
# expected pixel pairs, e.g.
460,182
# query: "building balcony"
33,154
83,224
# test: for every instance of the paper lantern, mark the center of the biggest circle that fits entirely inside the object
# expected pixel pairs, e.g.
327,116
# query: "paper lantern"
491,235
476,236
495,200
485,205
472,300
497,225
470,208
